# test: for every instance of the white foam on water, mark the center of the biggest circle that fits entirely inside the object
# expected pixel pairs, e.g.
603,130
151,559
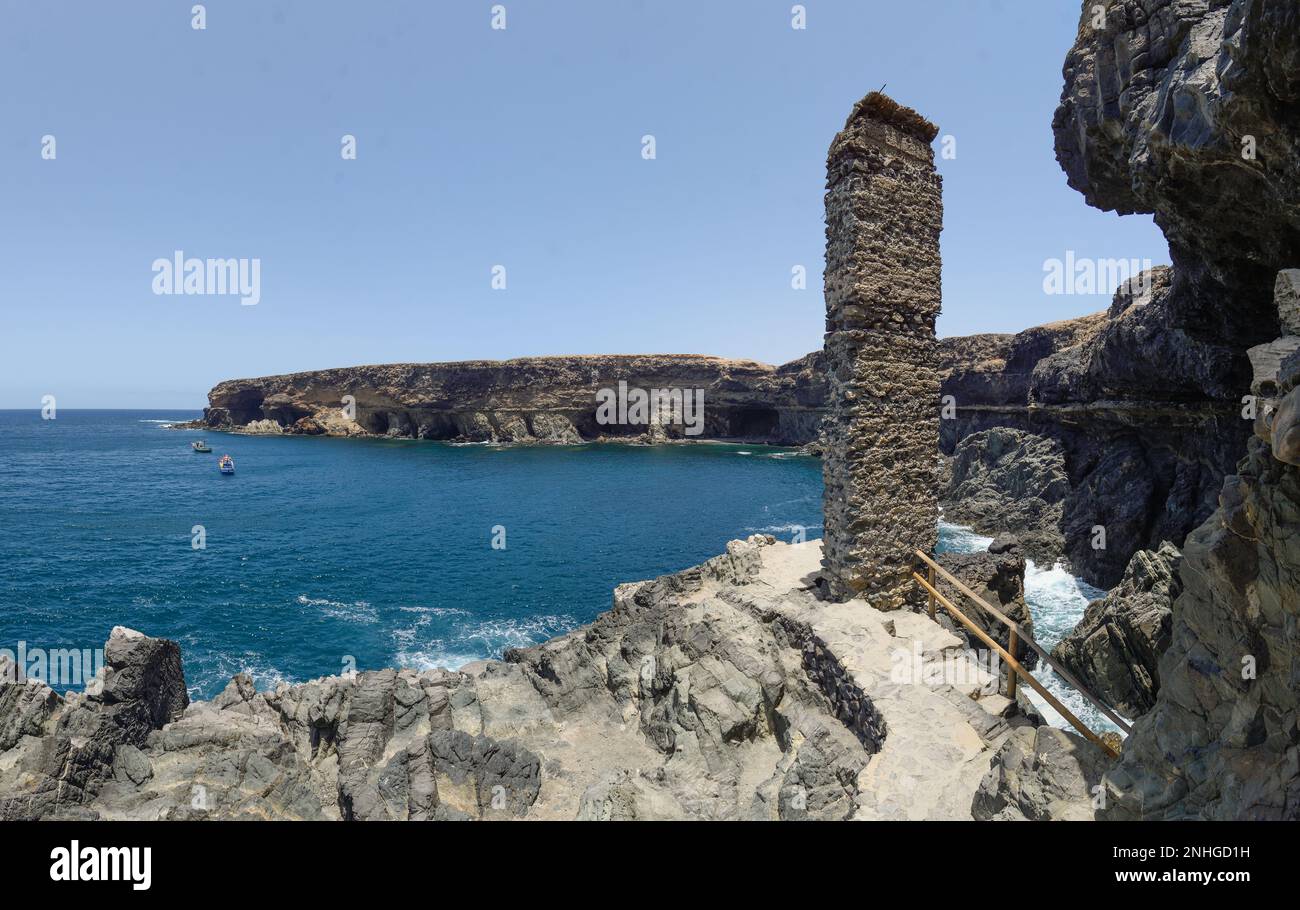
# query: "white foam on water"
958,539
1056,602
358,611
469,640
436,611
787,528
434,658
495,635
226,666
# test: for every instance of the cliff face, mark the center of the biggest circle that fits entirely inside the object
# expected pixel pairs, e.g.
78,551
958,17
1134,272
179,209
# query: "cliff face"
1144,458
1192,111
549,399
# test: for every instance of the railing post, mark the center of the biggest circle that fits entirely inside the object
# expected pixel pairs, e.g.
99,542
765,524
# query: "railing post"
1013,645
932,593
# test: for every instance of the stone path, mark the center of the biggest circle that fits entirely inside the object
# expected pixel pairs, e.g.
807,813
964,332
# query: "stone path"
939,738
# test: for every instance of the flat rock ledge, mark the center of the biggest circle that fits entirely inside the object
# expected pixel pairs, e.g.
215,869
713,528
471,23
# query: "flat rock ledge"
727,691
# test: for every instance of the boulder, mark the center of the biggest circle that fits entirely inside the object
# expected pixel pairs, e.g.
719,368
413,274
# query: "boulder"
999,579
1042,774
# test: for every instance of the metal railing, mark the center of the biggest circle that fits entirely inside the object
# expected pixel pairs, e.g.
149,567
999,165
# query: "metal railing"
1014,667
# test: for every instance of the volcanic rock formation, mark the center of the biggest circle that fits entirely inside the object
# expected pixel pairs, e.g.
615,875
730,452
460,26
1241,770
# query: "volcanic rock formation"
531,399
1192,111
1142,461
884,213
1005,480
1115,648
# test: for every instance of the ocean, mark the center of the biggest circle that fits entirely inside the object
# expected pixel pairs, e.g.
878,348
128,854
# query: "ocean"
321,555
320,550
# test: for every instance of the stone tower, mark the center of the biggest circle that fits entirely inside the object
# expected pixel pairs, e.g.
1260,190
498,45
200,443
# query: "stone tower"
884,212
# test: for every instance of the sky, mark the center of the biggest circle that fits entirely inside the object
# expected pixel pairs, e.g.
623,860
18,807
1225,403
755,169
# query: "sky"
479,147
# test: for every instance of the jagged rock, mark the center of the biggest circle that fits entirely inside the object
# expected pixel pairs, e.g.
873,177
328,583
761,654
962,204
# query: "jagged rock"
1186,110
1266,363
25,706
997,577
727,691
261,428
1008,480
67,750
1285,429
993,372
1116,647
1144,452
1220,740
1041,774
1181,109
1286,296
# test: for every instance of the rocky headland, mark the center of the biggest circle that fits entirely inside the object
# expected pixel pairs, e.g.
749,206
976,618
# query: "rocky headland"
1169,423
530,399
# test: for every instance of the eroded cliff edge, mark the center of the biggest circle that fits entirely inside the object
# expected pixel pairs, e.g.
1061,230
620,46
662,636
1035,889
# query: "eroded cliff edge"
530,399
1191,111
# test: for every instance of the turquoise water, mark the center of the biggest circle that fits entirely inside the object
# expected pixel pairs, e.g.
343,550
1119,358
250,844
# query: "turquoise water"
319,549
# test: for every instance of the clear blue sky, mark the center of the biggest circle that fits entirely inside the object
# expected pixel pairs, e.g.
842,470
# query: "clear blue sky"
479,147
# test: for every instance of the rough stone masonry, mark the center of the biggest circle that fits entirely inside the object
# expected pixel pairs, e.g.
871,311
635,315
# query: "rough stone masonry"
884,213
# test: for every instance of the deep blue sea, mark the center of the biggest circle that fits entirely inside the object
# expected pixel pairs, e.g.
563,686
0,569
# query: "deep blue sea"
378,549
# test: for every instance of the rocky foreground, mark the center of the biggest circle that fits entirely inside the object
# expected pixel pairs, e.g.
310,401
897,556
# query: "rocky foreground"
728,691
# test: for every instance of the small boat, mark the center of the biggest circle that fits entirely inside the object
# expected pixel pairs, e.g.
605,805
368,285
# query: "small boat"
200,446
226,465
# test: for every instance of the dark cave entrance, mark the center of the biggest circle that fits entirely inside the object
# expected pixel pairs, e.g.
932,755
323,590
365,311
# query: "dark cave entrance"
753,423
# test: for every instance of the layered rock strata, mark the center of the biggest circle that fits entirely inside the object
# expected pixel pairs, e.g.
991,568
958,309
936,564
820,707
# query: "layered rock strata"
1185,111
1115,648
1143,456
1189,111
533,399
1222,740
884,214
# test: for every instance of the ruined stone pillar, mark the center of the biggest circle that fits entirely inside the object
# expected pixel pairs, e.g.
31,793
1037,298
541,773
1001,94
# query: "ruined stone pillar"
884,212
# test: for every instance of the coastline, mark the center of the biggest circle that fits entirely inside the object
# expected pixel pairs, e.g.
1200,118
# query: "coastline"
727,690
812,449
